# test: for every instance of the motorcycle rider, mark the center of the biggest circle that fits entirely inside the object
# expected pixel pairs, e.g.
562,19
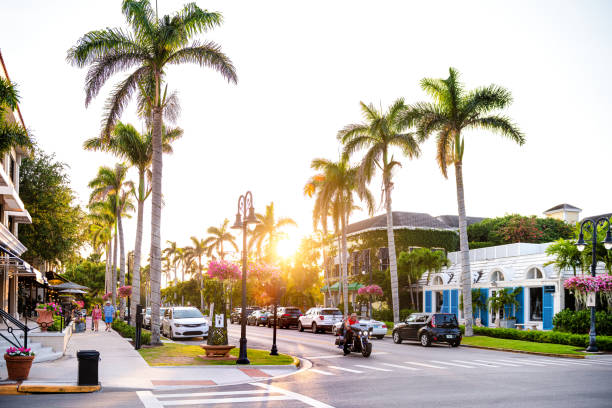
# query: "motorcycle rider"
348,332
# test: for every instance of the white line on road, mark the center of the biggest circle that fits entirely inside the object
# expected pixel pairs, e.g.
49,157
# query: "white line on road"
478,364
371,367
497,362
452,364
302,398
549,362
346,369
426,365
401,366
148,399
320,371
593,362
211,394
521,361
228,400
340,355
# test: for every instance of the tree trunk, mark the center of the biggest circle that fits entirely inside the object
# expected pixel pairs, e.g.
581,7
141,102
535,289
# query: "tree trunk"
392,257
201,284
137,251
114,272
107,276
326,276
411,291
156,201
121,266
344,265
466,276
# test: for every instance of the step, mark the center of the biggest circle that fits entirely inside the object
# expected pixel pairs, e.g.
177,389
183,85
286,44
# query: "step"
42,354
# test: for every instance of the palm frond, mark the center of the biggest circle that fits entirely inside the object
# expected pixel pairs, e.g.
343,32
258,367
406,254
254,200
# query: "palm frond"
97,44
499,124
206,54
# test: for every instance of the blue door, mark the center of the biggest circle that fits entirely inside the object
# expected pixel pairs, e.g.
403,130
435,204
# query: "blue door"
547,307
520,310
455,302
484,313
508,309
428,301
445,301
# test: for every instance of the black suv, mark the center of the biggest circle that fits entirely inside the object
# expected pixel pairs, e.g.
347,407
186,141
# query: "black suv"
287,317
428,328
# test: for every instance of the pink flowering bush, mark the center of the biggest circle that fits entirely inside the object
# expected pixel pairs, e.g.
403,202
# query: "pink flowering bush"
124,291
372,290
79,303
263,272
107,296
19,352
50,306
223,270
581,285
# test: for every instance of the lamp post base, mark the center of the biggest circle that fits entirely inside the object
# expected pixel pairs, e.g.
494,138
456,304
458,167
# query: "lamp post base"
242,357
274,351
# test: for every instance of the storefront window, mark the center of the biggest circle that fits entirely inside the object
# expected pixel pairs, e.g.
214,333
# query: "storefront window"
535,304
439,301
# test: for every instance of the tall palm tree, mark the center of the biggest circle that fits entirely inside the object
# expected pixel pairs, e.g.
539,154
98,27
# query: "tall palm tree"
102,221
129,144
453,111
112,183
217,236
269,231
380,134
335,185
172,253
12,133
197,251
148,48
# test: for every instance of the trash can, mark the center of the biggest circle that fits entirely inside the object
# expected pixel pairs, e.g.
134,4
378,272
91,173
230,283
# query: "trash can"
88,367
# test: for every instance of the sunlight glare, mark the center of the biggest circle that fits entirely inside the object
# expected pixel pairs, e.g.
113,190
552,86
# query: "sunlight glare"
288,247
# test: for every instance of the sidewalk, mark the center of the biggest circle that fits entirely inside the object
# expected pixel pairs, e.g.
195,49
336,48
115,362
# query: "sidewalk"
122,367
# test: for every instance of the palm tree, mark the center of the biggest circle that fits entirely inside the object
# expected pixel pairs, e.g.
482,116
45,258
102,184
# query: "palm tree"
380,134
217,236
129,144
111,183
12,133
102,218
197,251
334,186
269,231
172,253
152,44
454,110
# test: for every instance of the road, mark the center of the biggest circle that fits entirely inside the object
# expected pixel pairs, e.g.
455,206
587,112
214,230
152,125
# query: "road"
394,376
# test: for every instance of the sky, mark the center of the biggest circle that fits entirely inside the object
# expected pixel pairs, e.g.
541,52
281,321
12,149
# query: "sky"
303,68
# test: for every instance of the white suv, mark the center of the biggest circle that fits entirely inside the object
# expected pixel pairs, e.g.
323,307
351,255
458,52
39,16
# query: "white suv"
320,319
184,322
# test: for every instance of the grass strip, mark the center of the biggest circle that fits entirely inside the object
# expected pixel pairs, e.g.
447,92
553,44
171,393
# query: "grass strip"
521,345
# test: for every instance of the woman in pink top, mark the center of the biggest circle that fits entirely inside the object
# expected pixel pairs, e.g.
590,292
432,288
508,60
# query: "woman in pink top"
96,315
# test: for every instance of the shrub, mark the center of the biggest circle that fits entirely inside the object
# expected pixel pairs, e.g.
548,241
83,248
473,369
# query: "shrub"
386,314
127,331
579,322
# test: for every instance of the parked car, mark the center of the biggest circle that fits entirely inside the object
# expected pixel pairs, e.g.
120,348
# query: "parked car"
429,328
287,316
376,328
257,318
181,322
146,321
320,319
235,315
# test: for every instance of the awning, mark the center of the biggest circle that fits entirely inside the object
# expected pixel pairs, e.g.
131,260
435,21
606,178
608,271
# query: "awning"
69,285
22,267
338,286
354,286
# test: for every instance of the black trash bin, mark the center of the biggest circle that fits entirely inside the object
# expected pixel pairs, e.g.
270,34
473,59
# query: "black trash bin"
88,367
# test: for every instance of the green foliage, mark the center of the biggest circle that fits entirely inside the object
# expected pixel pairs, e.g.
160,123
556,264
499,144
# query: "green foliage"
190,290
503,297
57,324
386,314
477,298
579,322
57,230
405,239
90,273
125,330
566,255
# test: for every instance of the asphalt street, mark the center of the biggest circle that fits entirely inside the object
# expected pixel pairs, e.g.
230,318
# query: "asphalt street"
394,376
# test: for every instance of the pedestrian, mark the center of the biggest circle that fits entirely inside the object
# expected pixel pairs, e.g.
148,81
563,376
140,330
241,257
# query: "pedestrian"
109,314
96,315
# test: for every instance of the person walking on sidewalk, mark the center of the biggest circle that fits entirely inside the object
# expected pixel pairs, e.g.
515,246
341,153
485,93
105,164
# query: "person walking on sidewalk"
96,315
109,313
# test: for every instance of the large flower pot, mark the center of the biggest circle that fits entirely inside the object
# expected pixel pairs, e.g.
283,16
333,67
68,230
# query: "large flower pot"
18,367
45,319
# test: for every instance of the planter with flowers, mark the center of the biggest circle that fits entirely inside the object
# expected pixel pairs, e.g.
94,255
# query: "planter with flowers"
581,286
18,362
371,292
45,313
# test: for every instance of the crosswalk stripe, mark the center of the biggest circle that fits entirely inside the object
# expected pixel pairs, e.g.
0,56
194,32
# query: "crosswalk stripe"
346,369
148,399
320,371
211,394
478,364
522,361
228,400
597,362
426,365
302,398
401,366
555,363
498,362
371,367
452,364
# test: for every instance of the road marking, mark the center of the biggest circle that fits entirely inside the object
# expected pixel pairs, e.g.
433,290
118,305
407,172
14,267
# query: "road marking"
302,398
497,362
401,366
452,364
148,399
341,355
211,394
521,361
595,362
371,367
320,371
426,365
346,369
228,400
548,362
478,364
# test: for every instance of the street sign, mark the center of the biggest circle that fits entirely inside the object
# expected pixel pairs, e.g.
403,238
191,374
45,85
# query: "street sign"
591,299
219,320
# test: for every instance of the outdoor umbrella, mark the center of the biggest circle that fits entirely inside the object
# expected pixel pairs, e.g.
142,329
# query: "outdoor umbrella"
72,291
69,285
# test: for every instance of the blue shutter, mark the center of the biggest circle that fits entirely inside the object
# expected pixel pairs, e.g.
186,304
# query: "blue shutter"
428,301
547,310
484,313
455,302
520,310
446,301
508,309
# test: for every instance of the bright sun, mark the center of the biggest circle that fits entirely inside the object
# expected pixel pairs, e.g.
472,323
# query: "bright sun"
287,247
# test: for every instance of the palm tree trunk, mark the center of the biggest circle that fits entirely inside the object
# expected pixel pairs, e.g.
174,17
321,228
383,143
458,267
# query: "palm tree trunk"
411,290
466,276
326,276
344,266
156,201
114,273
137,252
392,257
107,275
201,284
121,266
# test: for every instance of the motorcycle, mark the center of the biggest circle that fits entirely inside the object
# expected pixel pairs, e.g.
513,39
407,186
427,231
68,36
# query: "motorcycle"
359,342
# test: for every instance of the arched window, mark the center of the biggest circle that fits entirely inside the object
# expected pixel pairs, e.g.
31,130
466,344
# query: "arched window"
497,276
438,281
535,273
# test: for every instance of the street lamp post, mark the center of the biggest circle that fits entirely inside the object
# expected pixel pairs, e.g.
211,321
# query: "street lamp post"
278,292
244,216
581,245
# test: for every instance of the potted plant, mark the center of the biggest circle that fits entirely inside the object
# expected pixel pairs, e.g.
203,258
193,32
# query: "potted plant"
498,301
45,313
18,362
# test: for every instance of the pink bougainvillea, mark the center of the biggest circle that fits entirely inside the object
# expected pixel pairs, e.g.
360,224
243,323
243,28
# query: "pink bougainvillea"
79,303
589,283
263,272
372,290
107,296
124,291
223,270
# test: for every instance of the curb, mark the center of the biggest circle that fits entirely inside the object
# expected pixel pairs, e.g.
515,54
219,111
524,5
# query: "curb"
50,388
536,353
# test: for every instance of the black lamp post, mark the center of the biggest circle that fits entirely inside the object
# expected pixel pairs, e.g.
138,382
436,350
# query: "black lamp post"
581,245
245,204
278,292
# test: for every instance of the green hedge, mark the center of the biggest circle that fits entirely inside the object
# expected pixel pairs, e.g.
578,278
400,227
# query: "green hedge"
604,343
406,238
579,322
125,330
387,314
